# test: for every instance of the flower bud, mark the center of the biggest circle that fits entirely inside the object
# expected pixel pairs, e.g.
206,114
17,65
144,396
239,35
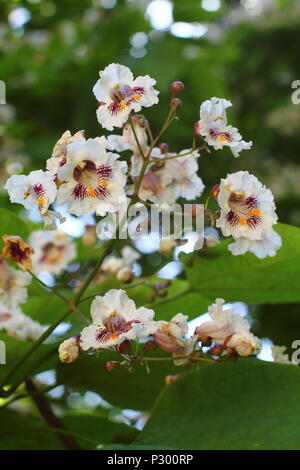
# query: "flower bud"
196,209
110,366
161,292
217,350
124,347
164,148
215,191
125,275
196,129
169,379
89,237
177,87
150,345
175,103
166,341
69,350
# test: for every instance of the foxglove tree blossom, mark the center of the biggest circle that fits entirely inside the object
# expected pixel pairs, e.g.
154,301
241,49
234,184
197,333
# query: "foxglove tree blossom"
213,127
59,153
13,285
229,330
34,191
18,325
116,319
166,181
53,251
118,93
93,180
248,214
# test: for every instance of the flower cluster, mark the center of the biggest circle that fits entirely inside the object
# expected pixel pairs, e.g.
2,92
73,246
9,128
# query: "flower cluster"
89,176
117,322
13,293
93,176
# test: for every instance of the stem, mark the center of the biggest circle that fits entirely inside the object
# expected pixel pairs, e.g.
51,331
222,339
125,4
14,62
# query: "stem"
169,299
177,155
174,358
140,179
50,417
124,287
136,137
61,296
165,126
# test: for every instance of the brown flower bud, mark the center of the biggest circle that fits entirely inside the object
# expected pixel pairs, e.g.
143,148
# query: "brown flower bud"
162,292
164,148
217,350
175,103
150,345
110,366
196,130
215,191
124,347
177,87
169,379
18,251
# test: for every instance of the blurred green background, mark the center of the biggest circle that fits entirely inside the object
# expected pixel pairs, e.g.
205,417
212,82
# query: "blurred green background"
244,50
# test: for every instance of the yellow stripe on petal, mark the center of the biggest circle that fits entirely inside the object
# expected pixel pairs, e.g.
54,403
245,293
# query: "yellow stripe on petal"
91,192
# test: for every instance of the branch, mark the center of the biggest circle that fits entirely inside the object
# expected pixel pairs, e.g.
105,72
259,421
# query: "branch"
50,417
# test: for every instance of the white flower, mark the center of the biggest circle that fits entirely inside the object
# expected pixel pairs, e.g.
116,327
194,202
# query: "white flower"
53,251
115,319
127,141
260,248
68,350
34,191
228,330
94,179
280,355
170,335
13,283
166,181
59,154
118,93
186,183
245,344
247,207
213,127
178,326
18,325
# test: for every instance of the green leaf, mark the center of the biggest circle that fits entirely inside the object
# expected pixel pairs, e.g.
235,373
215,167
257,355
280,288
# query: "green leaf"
29,432
15,348
11,224
246,278
245,404
136,390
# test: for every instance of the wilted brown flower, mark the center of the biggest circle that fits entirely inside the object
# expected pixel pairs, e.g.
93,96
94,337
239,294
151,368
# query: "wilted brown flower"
18,251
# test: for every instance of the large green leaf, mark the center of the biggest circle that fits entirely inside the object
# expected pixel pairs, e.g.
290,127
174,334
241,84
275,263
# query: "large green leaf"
136,390
22,432
246,278
11,224
15,349
245,404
